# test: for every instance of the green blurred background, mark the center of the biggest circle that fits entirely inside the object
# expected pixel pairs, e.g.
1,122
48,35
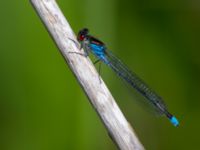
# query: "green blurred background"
42,106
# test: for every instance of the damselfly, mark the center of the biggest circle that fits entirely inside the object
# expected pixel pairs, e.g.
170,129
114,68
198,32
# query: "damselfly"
98,48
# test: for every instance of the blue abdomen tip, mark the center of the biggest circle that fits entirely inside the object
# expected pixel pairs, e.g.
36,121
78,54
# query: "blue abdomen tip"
174,121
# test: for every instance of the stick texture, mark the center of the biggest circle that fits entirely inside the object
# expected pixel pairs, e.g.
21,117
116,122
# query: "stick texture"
100,97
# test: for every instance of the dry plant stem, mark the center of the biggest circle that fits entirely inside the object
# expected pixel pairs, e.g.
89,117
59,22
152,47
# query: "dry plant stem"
98,94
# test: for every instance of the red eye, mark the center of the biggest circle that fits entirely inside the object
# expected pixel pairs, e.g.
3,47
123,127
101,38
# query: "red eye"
81,37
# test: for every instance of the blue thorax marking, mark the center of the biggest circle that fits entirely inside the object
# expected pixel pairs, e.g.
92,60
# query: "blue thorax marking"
99,51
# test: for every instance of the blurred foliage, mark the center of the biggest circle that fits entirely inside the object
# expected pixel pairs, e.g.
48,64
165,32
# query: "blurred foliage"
42,105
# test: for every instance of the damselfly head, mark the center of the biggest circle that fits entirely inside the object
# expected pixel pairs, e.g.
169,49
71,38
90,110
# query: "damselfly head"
82,34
